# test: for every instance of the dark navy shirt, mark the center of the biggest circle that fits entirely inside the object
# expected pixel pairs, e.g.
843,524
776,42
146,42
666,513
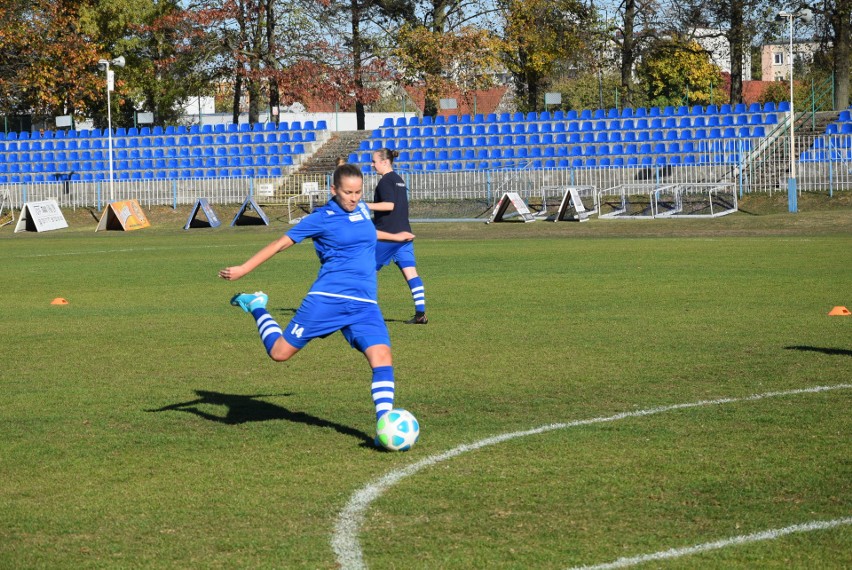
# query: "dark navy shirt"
345,243
391,188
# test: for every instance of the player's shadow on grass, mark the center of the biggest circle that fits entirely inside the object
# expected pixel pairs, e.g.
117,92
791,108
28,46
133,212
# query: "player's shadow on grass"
240,409
831,351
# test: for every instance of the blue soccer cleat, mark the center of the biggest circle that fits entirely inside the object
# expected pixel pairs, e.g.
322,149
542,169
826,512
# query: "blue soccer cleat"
250,301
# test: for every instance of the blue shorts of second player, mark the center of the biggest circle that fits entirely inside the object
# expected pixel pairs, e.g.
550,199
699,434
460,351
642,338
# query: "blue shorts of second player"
401,253
361,323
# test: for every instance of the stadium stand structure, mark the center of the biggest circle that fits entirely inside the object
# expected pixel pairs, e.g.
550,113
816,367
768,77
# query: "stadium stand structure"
835,142
159,153
589,138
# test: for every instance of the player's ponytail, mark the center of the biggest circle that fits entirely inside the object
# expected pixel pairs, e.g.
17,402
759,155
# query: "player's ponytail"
387,154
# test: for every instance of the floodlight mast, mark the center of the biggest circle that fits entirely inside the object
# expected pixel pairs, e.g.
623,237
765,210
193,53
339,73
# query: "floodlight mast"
104,64
806,16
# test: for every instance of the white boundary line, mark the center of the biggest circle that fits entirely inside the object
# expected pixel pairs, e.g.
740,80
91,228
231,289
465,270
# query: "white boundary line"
344,539
734,541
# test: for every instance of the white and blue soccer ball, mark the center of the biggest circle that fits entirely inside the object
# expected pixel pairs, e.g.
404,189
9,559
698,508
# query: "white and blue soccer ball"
397,430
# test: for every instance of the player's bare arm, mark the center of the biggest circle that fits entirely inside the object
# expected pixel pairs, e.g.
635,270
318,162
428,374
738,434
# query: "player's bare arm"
401,236
235,272
380,206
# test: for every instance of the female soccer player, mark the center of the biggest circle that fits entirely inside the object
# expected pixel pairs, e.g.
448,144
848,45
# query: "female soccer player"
390,205
343,297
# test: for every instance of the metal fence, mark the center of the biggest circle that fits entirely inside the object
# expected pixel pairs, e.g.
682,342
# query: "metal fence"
825,166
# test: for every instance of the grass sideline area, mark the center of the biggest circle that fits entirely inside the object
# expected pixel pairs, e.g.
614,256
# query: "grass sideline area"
144,426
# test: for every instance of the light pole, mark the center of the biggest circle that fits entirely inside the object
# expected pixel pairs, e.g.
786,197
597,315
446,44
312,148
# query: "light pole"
792,197
110,81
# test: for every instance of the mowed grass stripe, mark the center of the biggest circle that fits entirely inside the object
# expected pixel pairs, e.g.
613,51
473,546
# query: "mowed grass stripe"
249,461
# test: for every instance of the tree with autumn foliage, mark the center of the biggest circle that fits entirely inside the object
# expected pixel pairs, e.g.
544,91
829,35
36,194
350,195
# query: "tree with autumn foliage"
278,52
46,63
538,35
675,68
444,62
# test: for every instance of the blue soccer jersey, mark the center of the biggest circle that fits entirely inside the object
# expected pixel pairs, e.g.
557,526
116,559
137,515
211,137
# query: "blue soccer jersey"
345,243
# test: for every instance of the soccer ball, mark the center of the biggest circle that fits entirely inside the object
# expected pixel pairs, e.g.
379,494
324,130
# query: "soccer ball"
397,430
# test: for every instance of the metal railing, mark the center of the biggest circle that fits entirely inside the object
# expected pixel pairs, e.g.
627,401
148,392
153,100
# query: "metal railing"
760,167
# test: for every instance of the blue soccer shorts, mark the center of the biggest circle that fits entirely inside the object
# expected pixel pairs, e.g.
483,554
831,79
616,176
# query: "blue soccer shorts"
401,253
361,323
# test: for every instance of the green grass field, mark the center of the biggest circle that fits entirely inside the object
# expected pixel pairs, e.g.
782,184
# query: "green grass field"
143,425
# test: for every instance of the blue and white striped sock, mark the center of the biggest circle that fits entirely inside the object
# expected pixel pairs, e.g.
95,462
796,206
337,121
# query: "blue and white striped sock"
269,330
382,389
418,294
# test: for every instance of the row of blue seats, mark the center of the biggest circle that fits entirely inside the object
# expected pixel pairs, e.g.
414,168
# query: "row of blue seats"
566,151
221,128
835,155
144,164
260,172
153,142
562,139
613,113
845,116
591,162
575,126
836,141
838,128
121,154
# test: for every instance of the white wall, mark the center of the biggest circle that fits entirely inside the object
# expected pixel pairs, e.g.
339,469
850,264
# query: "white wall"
334,121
